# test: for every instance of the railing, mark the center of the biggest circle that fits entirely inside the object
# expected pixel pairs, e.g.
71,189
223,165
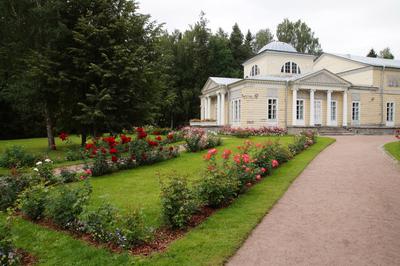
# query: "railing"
203,123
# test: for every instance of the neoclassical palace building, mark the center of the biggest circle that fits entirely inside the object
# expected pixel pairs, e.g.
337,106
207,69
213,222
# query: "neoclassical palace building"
285,88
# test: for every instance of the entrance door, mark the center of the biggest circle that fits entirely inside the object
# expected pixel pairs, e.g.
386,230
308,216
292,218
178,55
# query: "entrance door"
318,112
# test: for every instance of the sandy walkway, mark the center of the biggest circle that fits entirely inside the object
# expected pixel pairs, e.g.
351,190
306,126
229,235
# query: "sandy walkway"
344,209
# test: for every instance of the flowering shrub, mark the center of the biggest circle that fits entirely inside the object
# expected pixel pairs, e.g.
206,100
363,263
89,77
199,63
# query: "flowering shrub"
10,187
33,201
218,187
66,203
44,170
99,223
397,134
8,254
178,202
197,139
302,141
246,132
173,136
16,157
63,136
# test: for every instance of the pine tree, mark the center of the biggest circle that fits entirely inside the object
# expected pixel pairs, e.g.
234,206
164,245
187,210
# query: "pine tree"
385,53
372,53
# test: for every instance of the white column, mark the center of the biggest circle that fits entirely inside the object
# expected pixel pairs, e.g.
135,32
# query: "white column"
345,108
207,108
328,107
218,108
202,108
222,112
312,108
294,107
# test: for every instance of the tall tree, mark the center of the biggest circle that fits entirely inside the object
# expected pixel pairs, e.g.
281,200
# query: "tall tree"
385,53
262,38
299,35
248,44
237,48
372,53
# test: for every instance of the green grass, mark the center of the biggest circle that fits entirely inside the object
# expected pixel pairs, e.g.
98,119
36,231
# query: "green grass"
394,149
211,243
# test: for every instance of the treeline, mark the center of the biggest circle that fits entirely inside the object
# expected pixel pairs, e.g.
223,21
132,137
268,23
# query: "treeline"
94,66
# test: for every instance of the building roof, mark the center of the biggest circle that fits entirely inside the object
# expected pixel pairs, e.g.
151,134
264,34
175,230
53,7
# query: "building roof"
278,46
224,81
380,62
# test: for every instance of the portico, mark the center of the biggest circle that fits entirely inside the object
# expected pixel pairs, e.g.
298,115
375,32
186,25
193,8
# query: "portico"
213,106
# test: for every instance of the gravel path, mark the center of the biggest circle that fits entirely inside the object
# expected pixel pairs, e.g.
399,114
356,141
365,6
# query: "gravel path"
344,209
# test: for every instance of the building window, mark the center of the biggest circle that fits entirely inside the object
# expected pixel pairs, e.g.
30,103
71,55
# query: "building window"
333,110
300,110
355,111
255,70
236,110
272,108
290,67
390,112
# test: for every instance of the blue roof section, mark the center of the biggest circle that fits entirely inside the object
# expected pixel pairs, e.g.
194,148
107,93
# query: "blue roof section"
278,46
373,61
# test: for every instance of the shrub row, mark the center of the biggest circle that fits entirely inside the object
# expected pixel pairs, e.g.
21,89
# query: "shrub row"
198,139
223,182
8,252
246,132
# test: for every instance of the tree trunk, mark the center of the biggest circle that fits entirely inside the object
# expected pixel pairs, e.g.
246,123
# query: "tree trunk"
83,138
49,129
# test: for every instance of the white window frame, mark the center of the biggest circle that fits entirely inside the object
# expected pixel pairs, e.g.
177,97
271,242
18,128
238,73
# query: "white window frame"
300,122
355,122
390,122
334,122
272,121
287,68
236,106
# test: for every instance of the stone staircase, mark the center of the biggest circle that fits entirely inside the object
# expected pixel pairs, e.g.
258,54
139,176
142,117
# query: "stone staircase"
334,131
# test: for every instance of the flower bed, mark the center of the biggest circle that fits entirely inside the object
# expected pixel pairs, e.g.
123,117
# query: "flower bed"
246,132
198,139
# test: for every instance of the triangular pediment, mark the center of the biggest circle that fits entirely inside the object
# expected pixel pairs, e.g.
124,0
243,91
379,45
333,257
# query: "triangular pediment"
322,77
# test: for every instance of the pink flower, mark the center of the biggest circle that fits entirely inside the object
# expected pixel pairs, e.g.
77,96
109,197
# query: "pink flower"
246,158
263,170
82,177
258,177
212,151
88,172
247,169
236,158
226,154
275,163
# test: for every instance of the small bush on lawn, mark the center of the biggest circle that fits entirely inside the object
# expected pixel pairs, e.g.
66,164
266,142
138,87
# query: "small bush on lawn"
10,187
302,141
100,165
44,170
248,131
67,176
218,187
100,222
197,139
16,157
74,155
65,204
132,230
178,202
8,254
33,201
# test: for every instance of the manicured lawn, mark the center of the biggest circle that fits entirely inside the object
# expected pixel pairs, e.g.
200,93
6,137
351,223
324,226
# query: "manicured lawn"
211,243
394,149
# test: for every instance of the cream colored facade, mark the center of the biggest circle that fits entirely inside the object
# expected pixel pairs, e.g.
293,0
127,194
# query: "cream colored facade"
288,89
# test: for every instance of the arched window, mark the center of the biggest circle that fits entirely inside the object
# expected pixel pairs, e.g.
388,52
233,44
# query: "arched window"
255,70
291,68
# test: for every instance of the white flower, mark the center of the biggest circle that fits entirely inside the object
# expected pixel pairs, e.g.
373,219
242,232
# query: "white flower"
35,169
39,163
48,160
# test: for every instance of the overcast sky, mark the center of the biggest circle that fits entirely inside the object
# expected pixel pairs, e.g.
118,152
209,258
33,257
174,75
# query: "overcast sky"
342,26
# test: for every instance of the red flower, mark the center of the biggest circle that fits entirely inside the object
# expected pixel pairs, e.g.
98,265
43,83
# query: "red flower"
159,138
114,158
110,140
212,151
170,136
207,156
275,163
94,151
141,134
103,150
226,154
125,139
113,151
88,171
236,158
263,170
152,143
246,158
63,136
156,133
89,146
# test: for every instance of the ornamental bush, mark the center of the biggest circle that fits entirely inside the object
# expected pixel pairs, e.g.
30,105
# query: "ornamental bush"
16,157
10,187
33,201
198,139
100,223
44,171
65,204
8,254
67,176
132,230
178,202
217,187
